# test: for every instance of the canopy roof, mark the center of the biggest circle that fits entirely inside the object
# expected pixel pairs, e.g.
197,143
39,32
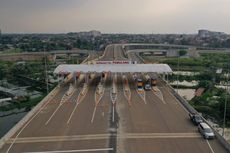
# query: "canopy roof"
157,68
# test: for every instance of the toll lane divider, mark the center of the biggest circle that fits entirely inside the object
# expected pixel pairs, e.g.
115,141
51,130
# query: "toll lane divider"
98,96
126,88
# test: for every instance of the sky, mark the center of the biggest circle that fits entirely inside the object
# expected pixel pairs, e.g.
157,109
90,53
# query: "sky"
114,16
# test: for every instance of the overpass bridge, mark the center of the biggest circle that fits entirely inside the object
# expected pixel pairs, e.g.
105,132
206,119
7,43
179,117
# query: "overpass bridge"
28,56
108,115
171,50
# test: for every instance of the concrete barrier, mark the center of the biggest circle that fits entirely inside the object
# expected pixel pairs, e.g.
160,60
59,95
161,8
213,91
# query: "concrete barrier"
26,118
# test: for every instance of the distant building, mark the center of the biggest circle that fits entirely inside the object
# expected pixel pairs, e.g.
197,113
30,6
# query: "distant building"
207,33
93,33
199,92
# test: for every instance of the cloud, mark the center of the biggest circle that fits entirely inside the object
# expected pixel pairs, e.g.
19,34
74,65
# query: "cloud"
132,16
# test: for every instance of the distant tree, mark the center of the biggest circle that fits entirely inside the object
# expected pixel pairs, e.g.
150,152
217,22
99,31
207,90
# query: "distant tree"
182,52
227,43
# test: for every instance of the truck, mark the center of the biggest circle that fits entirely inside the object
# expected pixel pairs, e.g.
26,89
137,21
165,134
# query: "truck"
139,84
153,82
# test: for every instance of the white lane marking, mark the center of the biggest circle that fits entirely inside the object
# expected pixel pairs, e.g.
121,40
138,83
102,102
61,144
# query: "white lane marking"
29,123
94,111
72,151
210,146
157,95
60,138
64,98
72,113
126,89
80,98
142,95
113,113
47,122
105,136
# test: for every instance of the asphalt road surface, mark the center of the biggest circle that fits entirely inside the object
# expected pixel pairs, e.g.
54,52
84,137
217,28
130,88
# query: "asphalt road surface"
147,123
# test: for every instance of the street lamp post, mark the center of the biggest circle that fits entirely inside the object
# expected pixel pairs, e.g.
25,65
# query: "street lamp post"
178,71
46,76
225,104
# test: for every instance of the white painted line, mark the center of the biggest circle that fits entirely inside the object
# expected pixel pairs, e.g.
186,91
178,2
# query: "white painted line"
97,101
162,100
113,113
28,124
53,114
69,97
72,113
210,146
73,151
126,90
79,100
82,94
94,111
142,95
60,138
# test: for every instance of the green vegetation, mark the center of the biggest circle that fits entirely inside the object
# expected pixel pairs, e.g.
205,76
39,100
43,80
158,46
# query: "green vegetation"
10,51
204,62
26,73
211,103
26,104
182,52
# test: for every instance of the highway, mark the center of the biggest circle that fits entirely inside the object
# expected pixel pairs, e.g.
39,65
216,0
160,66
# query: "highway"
132,123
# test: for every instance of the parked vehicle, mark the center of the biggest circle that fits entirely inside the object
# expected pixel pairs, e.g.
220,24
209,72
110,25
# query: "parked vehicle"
195,118
206,131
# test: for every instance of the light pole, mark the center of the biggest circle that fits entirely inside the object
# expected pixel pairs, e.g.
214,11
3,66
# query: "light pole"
178,70
225,104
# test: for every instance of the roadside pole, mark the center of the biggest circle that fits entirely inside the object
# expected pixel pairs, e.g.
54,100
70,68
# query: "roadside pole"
225,104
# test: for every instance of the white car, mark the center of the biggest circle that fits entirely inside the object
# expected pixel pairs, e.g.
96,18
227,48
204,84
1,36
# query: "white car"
206,131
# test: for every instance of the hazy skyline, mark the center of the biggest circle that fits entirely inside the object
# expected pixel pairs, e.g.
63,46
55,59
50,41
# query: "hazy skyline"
114,16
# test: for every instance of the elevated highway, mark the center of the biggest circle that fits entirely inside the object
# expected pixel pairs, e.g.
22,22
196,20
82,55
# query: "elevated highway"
77,122
31,56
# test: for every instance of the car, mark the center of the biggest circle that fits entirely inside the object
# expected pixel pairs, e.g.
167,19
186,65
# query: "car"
206,131
147,86
195,118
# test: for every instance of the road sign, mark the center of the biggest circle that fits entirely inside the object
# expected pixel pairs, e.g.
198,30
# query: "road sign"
114,62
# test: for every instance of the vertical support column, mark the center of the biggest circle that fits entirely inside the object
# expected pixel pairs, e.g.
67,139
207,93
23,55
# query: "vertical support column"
59,80
87,78
75,78
164,77
167,78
